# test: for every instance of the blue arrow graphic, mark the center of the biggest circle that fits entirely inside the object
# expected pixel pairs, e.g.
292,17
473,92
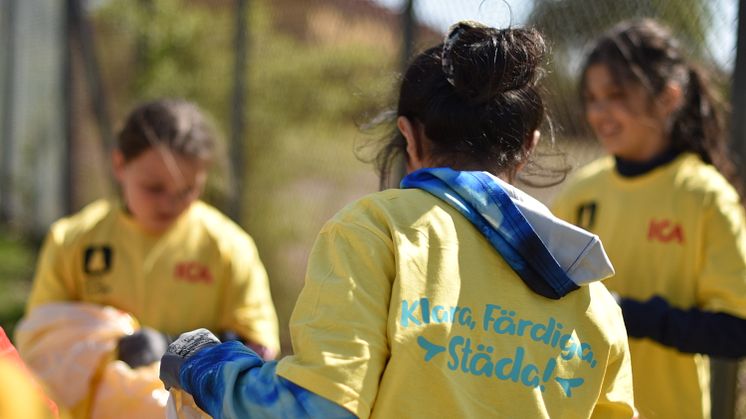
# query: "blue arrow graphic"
568,384
431,348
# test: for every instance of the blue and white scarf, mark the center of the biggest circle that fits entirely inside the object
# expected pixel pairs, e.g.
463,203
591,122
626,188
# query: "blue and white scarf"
552,257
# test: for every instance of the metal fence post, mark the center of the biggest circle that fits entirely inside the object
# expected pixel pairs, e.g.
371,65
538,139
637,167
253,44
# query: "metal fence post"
408,25
725,372
7,139
237,112
724,378
94,80
72,21
737,97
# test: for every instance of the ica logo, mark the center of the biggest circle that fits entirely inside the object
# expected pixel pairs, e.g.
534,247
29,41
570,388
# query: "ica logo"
586,215
97,259
192,272
665,231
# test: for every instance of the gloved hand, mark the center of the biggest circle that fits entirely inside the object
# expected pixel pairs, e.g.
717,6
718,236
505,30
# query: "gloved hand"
180,350
143,347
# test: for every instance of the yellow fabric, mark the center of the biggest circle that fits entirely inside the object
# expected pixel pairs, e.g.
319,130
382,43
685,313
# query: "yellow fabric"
203,272
84,379
677,232
359,330
19,396
120,385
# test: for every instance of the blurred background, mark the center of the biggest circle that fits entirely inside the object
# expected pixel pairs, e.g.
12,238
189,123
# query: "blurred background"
291,85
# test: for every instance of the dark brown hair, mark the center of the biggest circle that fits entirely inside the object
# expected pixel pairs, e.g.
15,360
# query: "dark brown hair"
175,123
476,96
645,52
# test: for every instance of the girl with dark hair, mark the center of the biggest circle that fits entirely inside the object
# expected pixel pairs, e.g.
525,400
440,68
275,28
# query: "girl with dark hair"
115,280
457,296
673,225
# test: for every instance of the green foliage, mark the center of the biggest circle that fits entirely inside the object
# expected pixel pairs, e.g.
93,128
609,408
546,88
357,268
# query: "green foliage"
16,269
303,97
187,51
576,22
177,50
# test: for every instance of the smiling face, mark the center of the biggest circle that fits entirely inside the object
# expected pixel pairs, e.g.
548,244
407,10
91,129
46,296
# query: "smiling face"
159,185
627,122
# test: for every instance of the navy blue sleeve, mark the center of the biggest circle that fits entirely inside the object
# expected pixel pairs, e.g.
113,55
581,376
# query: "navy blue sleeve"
689,331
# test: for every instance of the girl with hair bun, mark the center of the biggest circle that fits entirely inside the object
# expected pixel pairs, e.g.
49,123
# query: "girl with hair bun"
456,295
674,226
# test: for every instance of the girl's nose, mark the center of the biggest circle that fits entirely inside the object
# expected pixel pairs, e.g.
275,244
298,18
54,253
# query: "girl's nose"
595,110
595,107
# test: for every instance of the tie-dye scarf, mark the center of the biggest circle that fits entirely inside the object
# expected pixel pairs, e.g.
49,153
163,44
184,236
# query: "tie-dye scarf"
518,227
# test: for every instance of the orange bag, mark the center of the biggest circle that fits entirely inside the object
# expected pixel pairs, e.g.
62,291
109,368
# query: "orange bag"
9,354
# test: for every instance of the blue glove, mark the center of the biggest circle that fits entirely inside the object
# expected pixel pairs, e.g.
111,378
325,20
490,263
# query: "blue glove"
143,347
180,350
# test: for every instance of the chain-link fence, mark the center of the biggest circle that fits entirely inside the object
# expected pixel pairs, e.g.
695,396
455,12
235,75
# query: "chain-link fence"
707,30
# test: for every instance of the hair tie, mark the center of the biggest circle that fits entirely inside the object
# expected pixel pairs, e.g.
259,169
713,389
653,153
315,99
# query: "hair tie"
453,34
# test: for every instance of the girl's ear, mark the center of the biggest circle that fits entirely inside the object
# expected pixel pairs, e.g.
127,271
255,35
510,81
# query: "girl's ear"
533,142
117,163
670,99
414,139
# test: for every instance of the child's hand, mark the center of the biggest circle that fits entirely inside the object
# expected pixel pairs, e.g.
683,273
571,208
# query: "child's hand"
180,350
143,347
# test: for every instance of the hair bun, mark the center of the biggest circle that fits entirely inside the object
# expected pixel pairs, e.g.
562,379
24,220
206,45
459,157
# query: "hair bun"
482,62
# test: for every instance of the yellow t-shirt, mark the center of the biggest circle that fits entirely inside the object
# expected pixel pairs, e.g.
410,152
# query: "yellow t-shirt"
677,232
203,272
408,311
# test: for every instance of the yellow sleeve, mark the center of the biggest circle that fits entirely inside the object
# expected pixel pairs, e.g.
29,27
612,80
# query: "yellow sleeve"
339,325
722,285
616,399
19,397
248,309
53,279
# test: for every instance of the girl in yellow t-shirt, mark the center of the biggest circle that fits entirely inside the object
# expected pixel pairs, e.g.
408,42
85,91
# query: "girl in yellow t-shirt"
117,279
673,226
457,296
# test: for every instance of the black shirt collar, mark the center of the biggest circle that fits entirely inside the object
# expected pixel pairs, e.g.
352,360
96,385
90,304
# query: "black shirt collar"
628,168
